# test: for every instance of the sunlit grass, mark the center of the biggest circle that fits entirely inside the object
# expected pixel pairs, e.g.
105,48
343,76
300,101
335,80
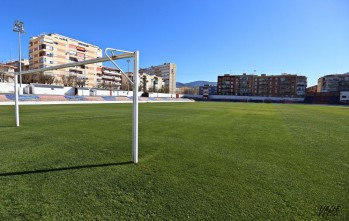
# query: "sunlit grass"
199,161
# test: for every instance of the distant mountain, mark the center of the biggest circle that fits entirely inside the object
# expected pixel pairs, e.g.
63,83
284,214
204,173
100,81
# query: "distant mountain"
179,84
194,84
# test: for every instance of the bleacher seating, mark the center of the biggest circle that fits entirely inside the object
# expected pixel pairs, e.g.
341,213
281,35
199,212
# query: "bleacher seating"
28,97
94,98
52,98
75,98
38,98
124,98
3,98
108,98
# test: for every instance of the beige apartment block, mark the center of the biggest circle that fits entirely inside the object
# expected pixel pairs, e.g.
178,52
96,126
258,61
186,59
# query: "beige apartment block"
108,78
9,76
53,49
333,83
24,64
168,73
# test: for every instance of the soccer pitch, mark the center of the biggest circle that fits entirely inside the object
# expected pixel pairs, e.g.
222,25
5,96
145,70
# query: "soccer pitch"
197,161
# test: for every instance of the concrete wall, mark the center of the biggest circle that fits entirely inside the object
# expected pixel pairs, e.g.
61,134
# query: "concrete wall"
54,90
104,92
51,89
8,88
245,98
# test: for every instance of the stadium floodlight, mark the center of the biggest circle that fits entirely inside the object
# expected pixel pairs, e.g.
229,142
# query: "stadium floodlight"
18,27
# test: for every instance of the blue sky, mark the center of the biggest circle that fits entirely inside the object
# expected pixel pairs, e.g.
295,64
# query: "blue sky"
204,38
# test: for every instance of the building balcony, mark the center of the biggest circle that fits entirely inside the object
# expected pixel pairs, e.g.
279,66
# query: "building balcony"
111,73
110,78
263,83
301,85
79,48
74,72
110,83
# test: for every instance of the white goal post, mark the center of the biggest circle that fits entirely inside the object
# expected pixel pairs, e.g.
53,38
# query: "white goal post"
124,54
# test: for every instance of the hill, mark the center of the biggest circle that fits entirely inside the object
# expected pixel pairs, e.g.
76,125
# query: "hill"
195,84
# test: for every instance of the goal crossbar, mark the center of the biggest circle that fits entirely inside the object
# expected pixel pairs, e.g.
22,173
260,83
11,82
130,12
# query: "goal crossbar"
73,64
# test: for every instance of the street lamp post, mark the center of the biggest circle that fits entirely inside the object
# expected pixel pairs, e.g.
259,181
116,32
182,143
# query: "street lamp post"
84,76
19,27
172,81
128,72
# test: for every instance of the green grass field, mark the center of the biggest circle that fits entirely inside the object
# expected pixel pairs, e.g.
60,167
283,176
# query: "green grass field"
197,161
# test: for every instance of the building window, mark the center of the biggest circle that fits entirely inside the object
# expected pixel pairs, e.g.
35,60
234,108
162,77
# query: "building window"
42,60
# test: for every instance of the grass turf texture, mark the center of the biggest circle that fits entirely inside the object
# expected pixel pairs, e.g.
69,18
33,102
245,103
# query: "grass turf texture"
198,161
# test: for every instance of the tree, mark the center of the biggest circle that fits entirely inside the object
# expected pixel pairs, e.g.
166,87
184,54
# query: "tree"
155,82
49,79
81,81
69,81
46,78
144,83
42,78
27,78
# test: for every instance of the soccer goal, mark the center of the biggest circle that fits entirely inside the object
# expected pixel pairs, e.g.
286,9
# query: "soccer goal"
110,55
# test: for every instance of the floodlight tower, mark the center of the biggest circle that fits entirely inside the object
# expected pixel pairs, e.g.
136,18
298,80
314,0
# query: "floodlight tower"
19,27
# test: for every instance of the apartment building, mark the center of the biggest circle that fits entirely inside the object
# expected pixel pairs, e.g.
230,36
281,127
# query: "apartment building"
207,90
24,64
108,78
266,86
7,68
311,90
24,67
54,49
284,85
151,83
333,83
168,73
240,85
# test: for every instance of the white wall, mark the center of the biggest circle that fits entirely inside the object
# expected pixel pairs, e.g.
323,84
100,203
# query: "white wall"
151,94
82,91
6,88
53,90
344,96
104,92
9,87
